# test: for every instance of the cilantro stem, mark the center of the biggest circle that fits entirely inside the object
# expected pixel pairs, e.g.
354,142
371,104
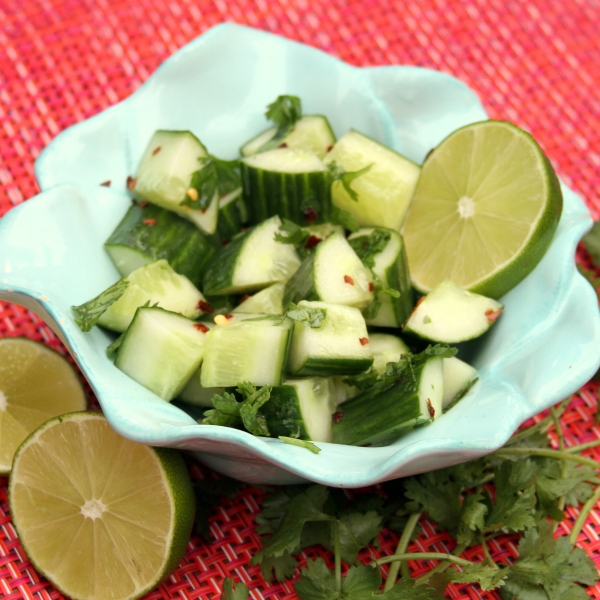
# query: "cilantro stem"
338,555
402,546
581,447
543,425
441,567
560,504
486,551
550,454
463,562
583,515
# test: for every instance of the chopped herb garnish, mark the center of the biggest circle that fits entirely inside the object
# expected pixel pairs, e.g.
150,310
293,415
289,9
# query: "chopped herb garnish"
313,317
296,235
234,592
301,443
342,217
111,351
87,314
347,177
284,112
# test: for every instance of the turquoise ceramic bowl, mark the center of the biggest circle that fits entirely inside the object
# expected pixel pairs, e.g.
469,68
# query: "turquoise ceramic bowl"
545,346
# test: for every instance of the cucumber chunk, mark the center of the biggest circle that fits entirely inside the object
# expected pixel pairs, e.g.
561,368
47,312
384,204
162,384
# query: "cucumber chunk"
333,273
232,215
193,393
386,348
457,376
165,172
312,133
147,234
161,350
451,315
156,283
300,408
251,262
268,301
384,192
293,184
388,261
340,346
380,416
247,348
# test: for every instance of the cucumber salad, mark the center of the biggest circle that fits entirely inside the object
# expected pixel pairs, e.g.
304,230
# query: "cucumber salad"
273,291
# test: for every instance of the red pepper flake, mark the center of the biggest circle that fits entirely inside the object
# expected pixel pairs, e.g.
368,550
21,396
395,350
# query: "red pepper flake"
143,204
329,148
245,297
337,416
312,241
310,214
245,229
229,316
348,279
430,408
364,341
156,150
371,286
282,145
105,183
492,314
225,242
201,327
205,307
131,181
150,222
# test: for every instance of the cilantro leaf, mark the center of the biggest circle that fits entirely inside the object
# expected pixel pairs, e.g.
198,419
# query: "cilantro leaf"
112,349
229,178
342,217
301,443
229,592
367,247
316,582
226,411
372,309
361,583
297,236
282,567
489,578
87,314
306,506
347,177
406,589
357,530
312,317
554,566
362,381
472,519
252,419
515,496
285,111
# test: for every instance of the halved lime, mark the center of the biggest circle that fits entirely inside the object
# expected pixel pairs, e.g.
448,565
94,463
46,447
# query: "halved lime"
484,212
99,515
36,384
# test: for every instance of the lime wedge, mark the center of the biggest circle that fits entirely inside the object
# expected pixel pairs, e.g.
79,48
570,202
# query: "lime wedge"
36,384
100,516
484,211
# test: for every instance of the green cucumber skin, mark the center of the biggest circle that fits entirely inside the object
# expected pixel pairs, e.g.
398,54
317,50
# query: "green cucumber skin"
325,367
231,219
173,238
289,195
371,417
219,274
301,286
282,413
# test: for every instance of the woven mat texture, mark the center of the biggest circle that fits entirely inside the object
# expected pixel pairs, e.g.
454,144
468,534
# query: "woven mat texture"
536,63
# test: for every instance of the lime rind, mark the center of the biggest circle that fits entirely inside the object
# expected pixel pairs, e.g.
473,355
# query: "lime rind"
440,245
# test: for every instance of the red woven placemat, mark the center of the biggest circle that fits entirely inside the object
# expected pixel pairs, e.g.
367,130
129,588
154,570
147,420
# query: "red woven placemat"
535,63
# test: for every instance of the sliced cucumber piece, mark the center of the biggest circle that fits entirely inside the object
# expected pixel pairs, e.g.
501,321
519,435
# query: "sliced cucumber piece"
333,273
268,301
149,233
340,346
193,393
389,263
457,376
156,283
251,262
232,215
161,350
377,417
312,133
386,348
165,172
384,192
451,315
247,348
300,408
294,184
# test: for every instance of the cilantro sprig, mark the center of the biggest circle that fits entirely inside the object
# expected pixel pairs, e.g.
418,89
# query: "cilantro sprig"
346,178
285,111
88,314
